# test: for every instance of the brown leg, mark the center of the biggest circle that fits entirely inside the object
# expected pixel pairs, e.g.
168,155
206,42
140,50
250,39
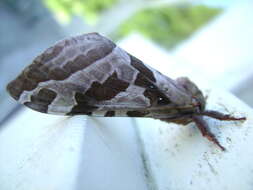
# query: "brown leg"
221,116
204,129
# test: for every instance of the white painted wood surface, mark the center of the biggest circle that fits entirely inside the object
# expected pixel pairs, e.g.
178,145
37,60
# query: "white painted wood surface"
39,151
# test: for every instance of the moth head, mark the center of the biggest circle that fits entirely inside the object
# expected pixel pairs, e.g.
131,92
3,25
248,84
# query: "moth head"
197,97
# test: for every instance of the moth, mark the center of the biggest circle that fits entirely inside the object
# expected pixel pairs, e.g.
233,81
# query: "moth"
90,75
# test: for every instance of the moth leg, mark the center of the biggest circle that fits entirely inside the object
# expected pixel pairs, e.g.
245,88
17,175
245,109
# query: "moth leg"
204,129
221,116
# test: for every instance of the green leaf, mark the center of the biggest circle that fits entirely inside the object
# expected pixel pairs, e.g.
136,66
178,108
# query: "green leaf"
167,26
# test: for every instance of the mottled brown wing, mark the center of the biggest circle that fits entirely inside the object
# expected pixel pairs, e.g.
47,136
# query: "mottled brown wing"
90,74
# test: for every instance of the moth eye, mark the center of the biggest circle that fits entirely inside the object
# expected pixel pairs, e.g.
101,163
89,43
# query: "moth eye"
152,86
163,101
160,101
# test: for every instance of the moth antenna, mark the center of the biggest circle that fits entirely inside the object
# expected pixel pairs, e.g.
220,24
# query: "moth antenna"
204,129
221,116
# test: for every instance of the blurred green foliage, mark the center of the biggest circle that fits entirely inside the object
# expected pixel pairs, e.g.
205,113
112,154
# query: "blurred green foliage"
89,9
167,25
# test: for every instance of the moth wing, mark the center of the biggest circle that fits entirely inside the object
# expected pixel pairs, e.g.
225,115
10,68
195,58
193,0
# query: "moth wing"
87,74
